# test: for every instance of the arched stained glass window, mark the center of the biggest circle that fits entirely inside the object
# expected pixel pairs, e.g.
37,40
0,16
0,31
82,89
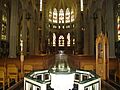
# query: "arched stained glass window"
61,40
54,39
50,15
61,16
68,39
72,15
67,15
55,15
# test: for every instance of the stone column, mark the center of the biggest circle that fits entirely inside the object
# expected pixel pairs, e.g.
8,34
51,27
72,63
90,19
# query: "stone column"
24,26
24,32
86,38
36,35
77,32
13,28
8,25
31,37
110,27
91,36
43,26
98,21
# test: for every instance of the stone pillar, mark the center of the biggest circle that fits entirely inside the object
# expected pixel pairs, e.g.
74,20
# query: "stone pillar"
91,36
24,32
8,25
36,40
98,21
43,26
110,27
77,31
13,28
86,43
31,38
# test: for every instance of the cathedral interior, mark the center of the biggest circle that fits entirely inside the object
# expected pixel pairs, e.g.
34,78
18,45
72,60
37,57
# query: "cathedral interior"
33,31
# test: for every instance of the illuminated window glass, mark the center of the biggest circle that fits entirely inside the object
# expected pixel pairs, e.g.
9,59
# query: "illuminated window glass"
68,39
50,15
68,26
72,15
55,15
59,26
48,41
3,31
40,5
54,26
73,41
54,39
67,15
63,27
118,27
4,18
61,16
61,41
81,2
118,35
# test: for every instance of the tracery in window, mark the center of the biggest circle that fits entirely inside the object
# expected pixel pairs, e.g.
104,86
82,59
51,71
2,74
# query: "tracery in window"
67,15
61,16
61,40
40,5
54,39
72,15
68,39
50,15
55,15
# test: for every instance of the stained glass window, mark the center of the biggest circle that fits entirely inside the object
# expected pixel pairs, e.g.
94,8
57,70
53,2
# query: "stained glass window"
61,16
55,15
68,39
81,2
68,26
67,15
40,5
50,15
48,41
73,41
72,15
118,27
3,32
54,26
61,40
54,39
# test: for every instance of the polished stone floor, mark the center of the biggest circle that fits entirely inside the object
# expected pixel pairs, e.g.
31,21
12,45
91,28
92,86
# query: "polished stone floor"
107,86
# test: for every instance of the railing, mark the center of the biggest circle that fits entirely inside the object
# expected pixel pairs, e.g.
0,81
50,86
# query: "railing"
41,80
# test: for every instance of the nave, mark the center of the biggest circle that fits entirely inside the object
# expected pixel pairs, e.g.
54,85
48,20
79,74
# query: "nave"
43,61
